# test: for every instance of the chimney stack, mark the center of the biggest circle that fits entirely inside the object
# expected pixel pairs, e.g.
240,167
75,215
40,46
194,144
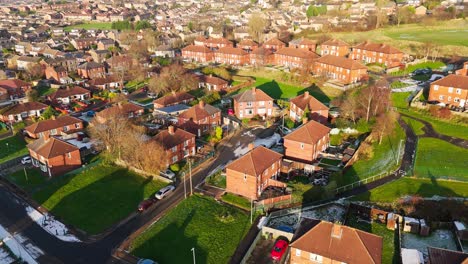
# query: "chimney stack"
201,104
254,89
170,129
337,231
306,94
251,146
53,117
305,120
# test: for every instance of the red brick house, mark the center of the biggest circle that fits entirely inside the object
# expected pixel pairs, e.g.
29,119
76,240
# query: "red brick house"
303,43
250,174
377,53
14,88
342,69
464,70
306,142
173,99
177,143
213,43
295,58
334,47
69,94
212,83
54,156
205,116
83,43
62,125
197,53
248,45
91,70
261,57
451,90
128,110
231,56
274,44
253,102
20,112
317,110
324,242
107,82
57,73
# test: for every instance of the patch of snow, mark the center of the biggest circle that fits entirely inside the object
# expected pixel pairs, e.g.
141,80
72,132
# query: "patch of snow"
349,130
459,225
329,212
262,222
52,226
411,256
5,257
334,131
14,244
248,134
241,150
268,142
411,88
439,238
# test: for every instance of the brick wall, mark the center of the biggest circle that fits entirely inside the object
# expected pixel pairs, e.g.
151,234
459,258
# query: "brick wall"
448,95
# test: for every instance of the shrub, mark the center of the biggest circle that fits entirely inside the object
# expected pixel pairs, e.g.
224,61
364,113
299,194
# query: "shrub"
289,123
245,121
175,167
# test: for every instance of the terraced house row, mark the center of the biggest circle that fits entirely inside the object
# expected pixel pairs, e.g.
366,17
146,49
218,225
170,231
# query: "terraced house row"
340,61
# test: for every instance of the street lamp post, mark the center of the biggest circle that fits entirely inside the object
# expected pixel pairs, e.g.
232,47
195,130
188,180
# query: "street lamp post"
190,171
193,252
8,147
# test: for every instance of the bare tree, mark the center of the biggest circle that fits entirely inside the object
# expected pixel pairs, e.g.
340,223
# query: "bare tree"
373,100
173,78
34,71
257,25
385,124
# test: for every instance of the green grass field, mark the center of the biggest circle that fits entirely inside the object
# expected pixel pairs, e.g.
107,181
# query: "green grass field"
400,100
236,200
93,25
428,64
437,158
414,124
96,197
450,36
213,229
12,147
29,180
304,191
414,186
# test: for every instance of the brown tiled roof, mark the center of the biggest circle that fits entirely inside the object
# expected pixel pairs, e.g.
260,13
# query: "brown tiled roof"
231,50
308,133
13,84
341,62
173,98
455,81
212,79
218,41
50,124
305,99
252,95
199,112
168,140
262,51
384,48
341,243
90,65
335,42
25,107
195,48
255,162
62,93
123,109
445,256
247,42
274,41
302,41
301,53
52,147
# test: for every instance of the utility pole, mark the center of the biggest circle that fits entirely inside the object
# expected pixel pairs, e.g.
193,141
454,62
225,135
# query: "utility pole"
185,187
251,211
190,170
25,174
193,252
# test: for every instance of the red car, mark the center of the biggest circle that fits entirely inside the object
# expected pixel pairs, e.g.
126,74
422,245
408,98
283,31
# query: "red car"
230,111
279,249
146,204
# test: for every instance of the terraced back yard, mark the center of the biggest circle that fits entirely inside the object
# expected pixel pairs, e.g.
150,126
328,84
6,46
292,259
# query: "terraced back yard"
199,222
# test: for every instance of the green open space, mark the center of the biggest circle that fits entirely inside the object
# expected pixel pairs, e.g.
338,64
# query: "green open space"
428,64
212,229
414,186
28,179
415,125
383,159
92,25
12,147
237,200
440,159
449,36
303,191
401,100
95,198
390,245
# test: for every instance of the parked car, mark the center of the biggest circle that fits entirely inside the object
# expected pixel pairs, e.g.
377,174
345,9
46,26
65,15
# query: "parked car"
146,261
284,130
164,192
145,204
280,142
167,174
151,95
125,91
90,113
279,249
26,160
230,111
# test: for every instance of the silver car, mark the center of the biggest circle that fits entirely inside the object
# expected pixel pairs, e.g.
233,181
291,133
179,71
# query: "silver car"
164,192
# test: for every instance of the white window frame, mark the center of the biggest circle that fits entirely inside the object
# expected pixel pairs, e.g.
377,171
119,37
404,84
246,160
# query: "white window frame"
298,252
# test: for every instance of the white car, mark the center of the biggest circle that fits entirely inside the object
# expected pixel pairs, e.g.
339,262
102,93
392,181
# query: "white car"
164,192
167,174
285,130
151,95
26,160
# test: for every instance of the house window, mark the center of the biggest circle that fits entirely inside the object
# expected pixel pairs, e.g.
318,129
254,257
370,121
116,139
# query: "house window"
273,166
174,159
249,103
262,103
458,91
65,128
186,143
298,252
441,97
77,125
174,149
456,100
436,87
450,89
245,177
449,98
302,145
69,155
316,258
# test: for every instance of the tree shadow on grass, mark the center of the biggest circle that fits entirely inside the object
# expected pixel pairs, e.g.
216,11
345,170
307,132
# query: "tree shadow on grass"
271,88
316,92
171,245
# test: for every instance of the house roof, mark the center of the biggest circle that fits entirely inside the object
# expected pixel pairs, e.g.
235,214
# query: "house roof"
212,80
199,111
335,42
25,107
13,84
67,92
384,48
196,48
123,109
252,95
261,52
274,41
445,256
231,50
306,100
452,80
90,65
169,140
341,243
341,62
302,41
301,53
247,42
52,147
50,124
255,162
218,41
308,133
173,98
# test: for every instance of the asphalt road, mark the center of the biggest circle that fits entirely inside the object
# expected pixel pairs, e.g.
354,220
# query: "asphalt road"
12,212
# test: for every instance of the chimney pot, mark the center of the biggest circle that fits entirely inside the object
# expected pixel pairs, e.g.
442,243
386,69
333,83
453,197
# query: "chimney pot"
251,146
305,120
201,104
170,129
306,94
254,89
337,231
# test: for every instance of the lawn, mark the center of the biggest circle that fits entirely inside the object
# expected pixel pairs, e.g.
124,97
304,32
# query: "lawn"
304,191
93,25
97,197
332,162
414,124
401,100
428,64
236,200
12,147
217,179
45,90
384,159
437,158
29,180
389,255
414,186
213,229
449,36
